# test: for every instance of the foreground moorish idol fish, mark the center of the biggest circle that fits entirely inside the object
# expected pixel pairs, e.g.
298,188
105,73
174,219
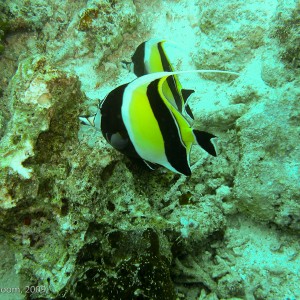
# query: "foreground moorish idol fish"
138,120
151,57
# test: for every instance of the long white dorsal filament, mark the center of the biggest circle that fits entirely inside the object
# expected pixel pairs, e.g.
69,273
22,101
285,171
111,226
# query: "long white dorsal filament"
146,79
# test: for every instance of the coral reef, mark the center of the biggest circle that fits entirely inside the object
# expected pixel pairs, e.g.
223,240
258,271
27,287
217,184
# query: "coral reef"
274,168
3,28
81,221
126,264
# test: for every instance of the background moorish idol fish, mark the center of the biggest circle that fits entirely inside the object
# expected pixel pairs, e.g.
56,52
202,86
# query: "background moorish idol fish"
139,121
151,57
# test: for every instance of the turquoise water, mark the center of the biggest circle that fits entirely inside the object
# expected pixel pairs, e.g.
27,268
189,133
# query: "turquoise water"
84,218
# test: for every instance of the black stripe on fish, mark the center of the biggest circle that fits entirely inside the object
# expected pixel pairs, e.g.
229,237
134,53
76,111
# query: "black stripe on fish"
185,93
171,79
138,60
113,128
175,151
164,60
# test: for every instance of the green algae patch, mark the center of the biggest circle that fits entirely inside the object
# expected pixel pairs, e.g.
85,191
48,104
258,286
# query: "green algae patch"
287,33
37,100
126,264
3,29
36,153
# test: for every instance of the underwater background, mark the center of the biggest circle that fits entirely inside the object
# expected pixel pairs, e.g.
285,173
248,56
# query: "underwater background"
79,220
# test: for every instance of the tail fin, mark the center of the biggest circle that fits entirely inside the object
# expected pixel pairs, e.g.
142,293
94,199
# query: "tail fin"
204,140
186,93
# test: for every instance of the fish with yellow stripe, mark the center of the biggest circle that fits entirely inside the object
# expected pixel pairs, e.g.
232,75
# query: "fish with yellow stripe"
138,120
151,57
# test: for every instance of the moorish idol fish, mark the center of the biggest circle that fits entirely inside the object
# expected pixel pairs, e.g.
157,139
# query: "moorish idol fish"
138,120
151,57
